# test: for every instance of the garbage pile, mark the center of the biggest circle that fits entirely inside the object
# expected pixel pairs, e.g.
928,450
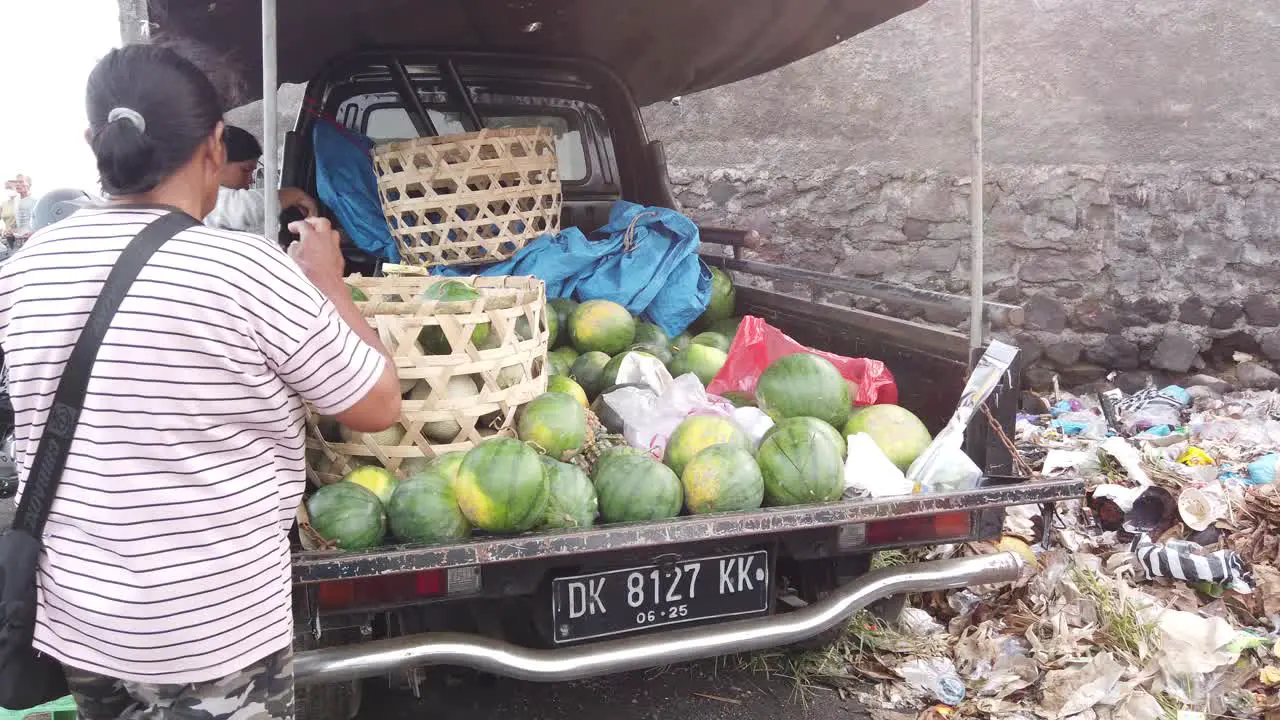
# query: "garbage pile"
1157,596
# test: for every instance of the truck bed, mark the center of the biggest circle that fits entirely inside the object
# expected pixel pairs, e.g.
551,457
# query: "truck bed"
930,365
320,566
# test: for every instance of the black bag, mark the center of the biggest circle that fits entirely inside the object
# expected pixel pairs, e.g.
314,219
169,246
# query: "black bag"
29,678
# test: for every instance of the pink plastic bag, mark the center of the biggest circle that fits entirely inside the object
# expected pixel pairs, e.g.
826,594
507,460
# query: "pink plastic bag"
758,344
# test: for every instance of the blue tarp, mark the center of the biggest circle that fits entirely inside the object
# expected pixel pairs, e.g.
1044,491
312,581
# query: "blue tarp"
645,259
346,184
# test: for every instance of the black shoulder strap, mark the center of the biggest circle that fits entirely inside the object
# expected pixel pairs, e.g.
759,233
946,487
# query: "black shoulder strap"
68,400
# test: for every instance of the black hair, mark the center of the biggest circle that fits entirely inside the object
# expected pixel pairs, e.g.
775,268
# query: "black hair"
149,109
241,144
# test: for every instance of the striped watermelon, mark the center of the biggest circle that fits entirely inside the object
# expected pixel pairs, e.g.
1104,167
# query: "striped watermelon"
635,488
573,502
349,515
424,509
501,486
722,478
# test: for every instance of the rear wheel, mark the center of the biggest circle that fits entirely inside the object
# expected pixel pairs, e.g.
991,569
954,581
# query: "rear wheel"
334,701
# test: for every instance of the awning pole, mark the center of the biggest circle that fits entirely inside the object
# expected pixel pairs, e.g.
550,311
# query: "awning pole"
270,172
977,319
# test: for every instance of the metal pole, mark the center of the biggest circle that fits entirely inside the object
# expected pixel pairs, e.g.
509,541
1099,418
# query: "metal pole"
270,173
977,319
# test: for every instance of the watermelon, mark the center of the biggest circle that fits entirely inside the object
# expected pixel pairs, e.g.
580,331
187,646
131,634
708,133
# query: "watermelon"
459,386
800,466
721,304
501,486
649,334
553,328
349,515
448,463
555,423
557,365
357,295
565,384
739,399
623,451
727,327
588,371
572,502
712,339
701,360
567,354
680,342
699,432
377,480
424,509
635,488
564,308
609,377
662,352
431,337
896,431
804,385
722,478
602,326
815,425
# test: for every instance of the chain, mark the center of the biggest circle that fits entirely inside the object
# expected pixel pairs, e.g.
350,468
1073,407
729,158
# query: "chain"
1019,463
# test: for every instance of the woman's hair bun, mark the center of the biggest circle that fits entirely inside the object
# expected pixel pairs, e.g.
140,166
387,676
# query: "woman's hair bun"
149,109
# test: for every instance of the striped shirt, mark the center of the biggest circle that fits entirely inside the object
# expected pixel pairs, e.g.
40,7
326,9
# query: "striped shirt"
166,552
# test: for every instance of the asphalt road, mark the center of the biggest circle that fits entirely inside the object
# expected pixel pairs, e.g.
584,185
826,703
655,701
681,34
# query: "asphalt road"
703,691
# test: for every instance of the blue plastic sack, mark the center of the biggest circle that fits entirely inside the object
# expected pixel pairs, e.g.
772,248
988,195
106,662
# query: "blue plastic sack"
1263,470
645,259
347,185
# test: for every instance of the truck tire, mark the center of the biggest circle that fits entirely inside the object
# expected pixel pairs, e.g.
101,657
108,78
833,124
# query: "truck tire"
336,701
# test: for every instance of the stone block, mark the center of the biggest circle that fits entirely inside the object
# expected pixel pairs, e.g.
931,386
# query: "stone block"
1262,311
1175,353
1044,312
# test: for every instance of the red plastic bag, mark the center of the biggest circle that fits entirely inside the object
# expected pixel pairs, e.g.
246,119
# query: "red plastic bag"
758,344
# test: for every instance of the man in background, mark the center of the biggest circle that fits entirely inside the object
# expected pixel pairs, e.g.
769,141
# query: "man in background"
17,211
241,206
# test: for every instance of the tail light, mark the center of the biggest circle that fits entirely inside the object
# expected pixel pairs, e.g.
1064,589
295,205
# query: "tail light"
394,589
946,527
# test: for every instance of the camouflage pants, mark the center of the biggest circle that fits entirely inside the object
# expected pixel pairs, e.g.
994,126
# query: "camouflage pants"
262,691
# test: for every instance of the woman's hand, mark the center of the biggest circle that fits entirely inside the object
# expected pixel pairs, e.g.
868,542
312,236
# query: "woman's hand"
316,251
295,197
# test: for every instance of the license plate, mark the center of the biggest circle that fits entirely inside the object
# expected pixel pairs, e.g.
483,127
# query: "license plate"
621,601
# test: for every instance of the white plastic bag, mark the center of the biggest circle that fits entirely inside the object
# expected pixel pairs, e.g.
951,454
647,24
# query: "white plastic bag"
649,415
867,471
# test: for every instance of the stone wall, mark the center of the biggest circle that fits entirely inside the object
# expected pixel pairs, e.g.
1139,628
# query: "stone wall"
1131,208
1117,268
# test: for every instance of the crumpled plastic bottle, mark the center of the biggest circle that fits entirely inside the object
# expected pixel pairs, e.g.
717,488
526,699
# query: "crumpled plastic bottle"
936,676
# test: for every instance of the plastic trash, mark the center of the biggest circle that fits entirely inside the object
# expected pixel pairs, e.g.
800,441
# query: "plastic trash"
1080,424
651,413
1263,470
867,471
1194,456
943,465
1181,561
936,676
1201,507
1177,393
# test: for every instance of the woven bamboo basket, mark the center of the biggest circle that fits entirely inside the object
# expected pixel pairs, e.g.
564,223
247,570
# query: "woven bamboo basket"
505,364
469,199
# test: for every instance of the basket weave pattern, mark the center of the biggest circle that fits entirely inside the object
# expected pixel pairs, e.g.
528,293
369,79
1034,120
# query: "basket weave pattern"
469,199
508,370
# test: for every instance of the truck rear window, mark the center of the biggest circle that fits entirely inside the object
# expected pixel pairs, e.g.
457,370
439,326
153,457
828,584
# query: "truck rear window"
385,122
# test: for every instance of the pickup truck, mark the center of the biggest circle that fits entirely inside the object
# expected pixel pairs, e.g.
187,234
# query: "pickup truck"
534,606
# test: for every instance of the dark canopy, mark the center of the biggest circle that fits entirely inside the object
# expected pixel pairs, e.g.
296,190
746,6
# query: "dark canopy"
661,48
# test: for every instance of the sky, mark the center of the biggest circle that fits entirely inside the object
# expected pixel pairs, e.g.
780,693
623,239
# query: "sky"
50,47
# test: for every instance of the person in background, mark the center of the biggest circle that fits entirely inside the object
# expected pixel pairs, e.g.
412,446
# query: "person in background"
164,584
240,206
18,211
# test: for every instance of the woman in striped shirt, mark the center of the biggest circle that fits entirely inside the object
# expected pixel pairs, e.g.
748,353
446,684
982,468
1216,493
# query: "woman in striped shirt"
164,588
